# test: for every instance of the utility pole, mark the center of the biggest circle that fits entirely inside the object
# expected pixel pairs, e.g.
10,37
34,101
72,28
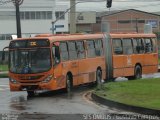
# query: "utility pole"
56,19
17,3
73,16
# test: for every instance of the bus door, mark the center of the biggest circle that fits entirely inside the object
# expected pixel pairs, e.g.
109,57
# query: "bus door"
73,62
128,57
57,66
118,58
82,62
150,52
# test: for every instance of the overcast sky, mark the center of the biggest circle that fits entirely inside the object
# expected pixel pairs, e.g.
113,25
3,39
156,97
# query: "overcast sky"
100,5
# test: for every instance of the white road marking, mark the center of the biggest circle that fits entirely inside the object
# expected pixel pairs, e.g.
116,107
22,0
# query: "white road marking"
4,87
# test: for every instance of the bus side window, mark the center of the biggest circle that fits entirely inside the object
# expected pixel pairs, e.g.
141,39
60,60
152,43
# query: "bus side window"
117,46
64,51
148,45
127,46
140,46
80,49
154,44
56,55
91,48
72,50
136,50
99,47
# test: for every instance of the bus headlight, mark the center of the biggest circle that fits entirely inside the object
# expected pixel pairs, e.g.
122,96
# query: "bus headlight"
47,79
13,80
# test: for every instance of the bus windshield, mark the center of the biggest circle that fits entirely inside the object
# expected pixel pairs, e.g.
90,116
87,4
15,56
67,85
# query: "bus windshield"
28,61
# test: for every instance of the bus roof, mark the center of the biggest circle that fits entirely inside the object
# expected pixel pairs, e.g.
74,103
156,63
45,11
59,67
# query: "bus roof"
132,35
63,37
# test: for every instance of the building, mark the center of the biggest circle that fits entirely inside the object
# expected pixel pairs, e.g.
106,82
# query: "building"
4,43
85,21
131,21
37,16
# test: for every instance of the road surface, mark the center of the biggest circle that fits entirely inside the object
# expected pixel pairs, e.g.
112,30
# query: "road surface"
50,103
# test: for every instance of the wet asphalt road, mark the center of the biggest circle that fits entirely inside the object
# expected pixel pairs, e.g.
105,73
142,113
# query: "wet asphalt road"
49,105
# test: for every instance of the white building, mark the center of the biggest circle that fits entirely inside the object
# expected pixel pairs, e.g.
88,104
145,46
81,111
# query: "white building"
36,17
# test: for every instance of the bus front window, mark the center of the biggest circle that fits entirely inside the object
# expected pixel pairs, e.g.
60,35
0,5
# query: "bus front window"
27,61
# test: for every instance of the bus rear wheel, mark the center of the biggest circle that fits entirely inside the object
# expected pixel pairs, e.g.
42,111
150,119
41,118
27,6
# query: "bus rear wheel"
68,84
138,72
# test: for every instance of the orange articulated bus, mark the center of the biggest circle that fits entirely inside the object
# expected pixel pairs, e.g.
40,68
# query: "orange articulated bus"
52,62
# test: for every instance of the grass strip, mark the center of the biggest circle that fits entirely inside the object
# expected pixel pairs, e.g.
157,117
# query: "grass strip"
3,67
143,92
3,75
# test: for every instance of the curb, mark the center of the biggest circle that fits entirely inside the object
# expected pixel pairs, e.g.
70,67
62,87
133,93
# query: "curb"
3,72
118,105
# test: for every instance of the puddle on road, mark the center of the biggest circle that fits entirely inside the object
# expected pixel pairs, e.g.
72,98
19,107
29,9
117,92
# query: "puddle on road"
19,103
22,103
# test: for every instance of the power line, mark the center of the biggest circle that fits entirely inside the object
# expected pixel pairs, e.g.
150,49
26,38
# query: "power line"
140,6
113,1
122,7
2,2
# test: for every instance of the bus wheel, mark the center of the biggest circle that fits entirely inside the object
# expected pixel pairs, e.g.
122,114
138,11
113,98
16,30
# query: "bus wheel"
68,84
98,77
30,93
138,72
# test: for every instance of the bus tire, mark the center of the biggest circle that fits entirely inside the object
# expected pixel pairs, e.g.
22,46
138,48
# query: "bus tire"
31,93
98,77
69,83
137,72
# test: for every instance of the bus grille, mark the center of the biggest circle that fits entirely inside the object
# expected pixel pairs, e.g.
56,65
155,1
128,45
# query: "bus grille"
30,77
31,87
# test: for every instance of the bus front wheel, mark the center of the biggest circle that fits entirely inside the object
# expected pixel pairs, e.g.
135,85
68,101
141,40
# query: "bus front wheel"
30,93
138,72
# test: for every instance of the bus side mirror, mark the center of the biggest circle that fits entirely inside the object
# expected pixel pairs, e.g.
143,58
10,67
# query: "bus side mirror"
3,53
3,56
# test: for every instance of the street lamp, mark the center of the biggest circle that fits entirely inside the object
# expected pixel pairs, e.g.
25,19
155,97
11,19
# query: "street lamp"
17,3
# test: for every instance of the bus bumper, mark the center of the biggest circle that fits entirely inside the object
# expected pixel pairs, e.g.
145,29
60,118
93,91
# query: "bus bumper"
52,85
